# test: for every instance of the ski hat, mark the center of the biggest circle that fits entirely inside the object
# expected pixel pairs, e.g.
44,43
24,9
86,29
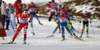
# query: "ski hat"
66,7
26,9
18,0
61,12
53,0
25,12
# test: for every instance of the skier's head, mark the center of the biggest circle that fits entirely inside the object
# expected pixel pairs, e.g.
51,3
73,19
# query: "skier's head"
9,5
53,0
60,6
32,3
25,13
18,0
66,8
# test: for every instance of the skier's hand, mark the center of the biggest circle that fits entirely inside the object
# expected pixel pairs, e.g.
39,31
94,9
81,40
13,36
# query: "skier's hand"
36,11
79,21
29,21
90,22
18,22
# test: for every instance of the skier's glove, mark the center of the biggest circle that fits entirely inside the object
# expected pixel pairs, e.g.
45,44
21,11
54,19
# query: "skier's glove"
36,11
79,21
29,21
18,22
90,22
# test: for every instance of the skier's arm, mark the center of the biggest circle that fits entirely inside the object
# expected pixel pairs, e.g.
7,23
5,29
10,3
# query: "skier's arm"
15,4
90,19
17,18
30,17
36,8
57,14
80,19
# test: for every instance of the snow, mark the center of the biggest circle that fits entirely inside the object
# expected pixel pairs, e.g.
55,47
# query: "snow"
40,42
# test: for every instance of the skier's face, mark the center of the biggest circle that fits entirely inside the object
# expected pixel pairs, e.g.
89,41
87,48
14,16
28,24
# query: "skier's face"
32,3
18,0
25,14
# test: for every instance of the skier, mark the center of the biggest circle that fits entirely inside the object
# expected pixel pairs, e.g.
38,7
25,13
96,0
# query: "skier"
23,23
32,11
64,23
69,14
57,22
18,5
85,17
53,7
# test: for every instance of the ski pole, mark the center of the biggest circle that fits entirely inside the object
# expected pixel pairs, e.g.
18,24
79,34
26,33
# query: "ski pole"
92,30
79,27
32,29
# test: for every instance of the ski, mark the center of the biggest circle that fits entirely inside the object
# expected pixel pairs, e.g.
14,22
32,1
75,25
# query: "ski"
76,38
80,39
26,43
49,36
88,37
8,43
16,43
63,39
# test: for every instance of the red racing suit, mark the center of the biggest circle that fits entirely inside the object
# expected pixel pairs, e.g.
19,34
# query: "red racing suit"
18,5
23,23
53,7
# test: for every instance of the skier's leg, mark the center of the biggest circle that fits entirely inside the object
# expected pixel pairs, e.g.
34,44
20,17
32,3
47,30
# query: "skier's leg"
38,19
63,32
55,30
87,28
68,28
59,29
82,30
17,31
25,33
50,17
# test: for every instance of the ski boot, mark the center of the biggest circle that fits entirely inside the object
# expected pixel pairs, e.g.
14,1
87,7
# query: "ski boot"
24,40
11,42
63,38
75,36
87,35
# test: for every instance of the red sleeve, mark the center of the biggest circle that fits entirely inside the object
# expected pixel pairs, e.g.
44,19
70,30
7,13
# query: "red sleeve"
49,5
17,16
15,4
